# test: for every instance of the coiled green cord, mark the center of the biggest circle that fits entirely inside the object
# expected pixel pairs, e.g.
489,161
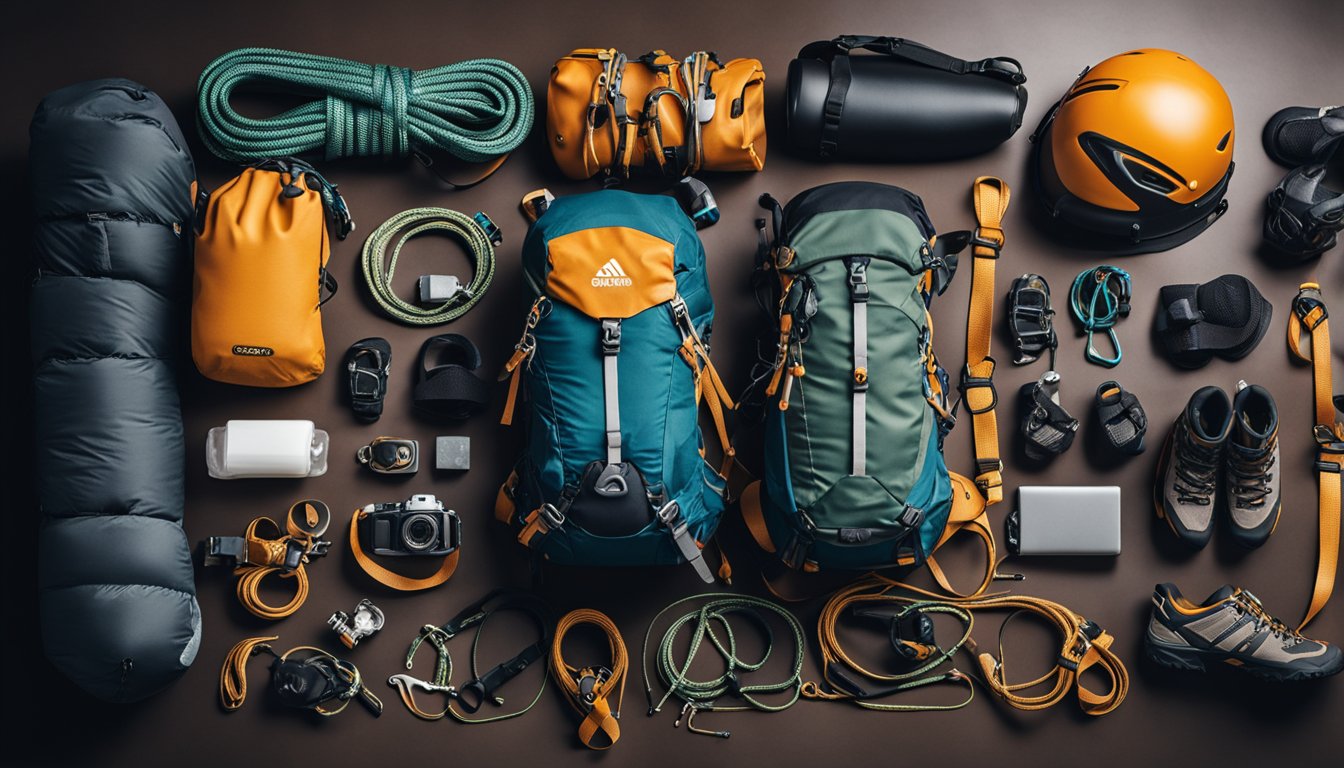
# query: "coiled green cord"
406,225
476,110
701,695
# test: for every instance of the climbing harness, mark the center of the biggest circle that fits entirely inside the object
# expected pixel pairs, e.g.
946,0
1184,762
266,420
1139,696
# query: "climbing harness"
1084,646
478,110
1031,320
411,223
1122,419
1047,427
1310,315
263,550
719,609
318,682
589,688
1099,299
1226,317
482,687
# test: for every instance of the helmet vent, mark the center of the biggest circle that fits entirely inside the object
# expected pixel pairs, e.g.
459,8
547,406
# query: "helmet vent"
1091,88
1222,143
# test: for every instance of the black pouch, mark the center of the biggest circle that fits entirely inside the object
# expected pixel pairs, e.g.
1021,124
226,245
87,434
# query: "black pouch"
906,103
304,684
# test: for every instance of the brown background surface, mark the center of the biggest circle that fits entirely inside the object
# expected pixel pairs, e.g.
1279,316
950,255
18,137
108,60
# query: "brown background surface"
1266,55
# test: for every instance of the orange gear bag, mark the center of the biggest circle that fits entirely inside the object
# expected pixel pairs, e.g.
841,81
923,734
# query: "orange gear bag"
262,245
610,114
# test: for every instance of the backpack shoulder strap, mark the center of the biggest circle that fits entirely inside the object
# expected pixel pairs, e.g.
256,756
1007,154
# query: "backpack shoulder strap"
977,378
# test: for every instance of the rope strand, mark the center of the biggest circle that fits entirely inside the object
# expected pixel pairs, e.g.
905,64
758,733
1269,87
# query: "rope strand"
475,110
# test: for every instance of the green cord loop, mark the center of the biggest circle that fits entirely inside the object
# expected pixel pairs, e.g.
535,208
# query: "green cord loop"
702,694
408,224
476,110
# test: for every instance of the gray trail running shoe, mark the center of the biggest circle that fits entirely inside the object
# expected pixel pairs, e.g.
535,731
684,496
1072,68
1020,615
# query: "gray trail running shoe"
1297,136
1232,627
1251,482
1187,470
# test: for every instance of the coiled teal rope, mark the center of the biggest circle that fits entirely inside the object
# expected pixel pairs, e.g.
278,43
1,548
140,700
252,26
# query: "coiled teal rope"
476,110
406,225
1099,299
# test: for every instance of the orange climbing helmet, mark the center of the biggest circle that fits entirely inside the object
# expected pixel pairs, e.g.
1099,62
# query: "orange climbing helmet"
1137,154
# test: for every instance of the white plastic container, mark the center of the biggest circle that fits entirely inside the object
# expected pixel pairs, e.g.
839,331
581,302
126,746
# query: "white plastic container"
266,448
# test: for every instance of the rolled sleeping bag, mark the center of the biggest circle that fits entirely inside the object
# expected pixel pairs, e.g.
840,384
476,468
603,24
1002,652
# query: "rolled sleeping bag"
888,99
111,184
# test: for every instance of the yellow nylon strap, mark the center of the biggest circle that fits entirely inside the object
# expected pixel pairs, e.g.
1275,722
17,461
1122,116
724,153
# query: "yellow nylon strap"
233,675
968,514
598,714
1310,316
391,578
991,197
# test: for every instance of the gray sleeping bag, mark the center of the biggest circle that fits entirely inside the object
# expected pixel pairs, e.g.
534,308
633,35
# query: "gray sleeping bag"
111,180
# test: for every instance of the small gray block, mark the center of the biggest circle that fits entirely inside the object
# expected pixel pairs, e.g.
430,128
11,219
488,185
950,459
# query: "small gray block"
451,452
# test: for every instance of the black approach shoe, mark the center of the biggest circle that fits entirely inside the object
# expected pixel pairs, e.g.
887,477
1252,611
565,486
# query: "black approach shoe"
1300,135
1251,483
1187,472
1231,627
1303,217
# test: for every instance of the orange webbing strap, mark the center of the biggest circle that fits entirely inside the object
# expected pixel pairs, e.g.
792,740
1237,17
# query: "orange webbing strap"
968,514
754,516
1310,315
589,688
1085,645
391,578
267,548
233,675
977,380
504,504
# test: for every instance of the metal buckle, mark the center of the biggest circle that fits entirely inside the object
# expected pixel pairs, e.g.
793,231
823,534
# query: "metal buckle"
1307,301
553,516
589,682
978,239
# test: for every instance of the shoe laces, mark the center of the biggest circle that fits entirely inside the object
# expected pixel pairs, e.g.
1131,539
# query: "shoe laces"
1250,475
1196,469
1248,603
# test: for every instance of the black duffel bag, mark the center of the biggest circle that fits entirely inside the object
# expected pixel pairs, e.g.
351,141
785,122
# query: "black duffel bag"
907,103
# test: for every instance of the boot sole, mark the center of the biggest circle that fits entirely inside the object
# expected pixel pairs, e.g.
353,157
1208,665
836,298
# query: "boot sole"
1189,659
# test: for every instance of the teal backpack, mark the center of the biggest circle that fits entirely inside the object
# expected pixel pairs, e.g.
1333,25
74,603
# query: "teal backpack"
608,378
856,403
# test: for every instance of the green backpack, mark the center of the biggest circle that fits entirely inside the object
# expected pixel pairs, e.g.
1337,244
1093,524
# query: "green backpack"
856,404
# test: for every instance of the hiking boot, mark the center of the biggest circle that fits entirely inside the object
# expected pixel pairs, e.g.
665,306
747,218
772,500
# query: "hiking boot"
1187,472
1297,136
1251,481
1233,628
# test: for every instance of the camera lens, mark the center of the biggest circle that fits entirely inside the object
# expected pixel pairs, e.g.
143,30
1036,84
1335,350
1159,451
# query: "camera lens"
420,532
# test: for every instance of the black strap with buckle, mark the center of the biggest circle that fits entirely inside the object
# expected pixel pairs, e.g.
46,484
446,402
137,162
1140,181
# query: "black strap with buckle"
1047,428
1031,320
451,389
367,364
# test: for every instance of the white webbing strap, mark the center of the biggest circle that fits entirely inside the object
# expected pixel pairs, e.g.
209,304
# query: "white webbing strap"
858,296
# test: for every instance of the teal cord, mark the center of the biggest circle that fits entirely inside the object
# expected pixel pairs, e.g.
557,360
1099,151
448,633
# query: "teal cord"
476,110
1099,299
702,695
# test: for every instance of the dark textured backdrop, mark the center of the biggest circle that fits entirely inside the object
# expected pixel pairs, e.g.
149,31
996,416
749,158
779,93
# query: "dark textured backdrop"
1266,55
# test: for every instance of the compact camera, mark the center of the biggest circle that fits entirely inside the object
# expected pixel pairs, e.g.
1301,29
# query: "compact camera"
417,526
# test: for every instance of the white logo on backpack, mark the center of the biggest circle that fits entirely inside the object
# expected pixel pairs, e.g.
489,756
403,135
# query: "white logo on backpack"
611,276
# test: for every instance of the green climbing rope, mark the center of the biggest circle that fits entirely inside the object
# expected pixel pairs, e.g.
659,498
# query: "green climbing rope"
703,695
476,110
408,224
